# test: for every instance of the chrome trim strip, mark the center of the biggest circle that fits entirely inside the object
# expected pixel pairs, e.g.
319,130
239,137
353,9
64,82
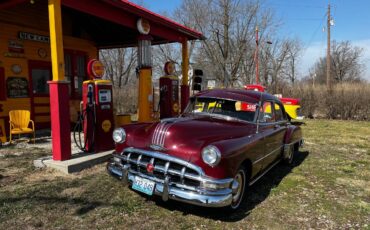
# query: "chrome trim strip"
293,143
155,133
162,125
273,151
159,131
164,134
253,181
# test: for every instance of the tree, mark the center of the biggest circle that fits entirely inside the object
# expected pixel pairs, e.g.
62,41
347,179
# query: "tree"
278,61
119,65
294,53
346,64
227,53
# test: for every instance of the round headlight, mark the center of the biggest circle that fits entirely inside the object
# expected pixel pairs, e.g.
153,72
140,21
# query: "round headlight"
211,155
119,135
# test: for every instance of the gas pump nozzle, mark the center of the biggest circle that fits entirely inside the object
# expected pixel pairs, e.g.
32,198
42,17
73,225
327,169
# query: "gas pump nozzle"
90,95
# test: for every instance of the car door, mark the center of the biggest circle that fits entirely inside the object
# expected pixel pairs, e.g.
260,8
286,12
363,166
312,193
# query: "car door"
280,127
272,131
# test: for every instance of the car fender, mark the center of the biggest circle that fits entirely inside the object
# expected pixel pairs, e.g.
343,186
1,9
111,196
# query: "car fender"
235,152
293,134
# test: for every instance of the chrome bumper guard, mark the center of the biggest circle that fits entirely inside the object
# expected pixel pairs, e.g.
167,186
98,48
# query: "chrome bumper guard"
169,190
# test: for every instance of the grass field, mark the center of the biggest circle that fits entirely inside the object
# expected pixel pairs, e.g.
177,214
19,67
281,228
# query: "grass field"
328,188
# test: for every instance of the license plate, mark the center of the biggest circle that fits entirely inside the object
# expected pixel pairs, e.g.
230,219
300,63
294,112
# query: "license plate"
143,185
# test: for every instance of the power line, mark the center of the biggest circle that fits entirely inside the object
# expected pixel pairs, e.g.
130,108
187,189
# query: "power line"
303,19
315,32
297,6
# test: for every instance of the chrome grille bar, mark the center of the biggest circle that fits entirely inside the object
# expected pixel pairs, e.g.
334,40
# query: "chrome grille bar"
181,172
165,170
164,157
182,175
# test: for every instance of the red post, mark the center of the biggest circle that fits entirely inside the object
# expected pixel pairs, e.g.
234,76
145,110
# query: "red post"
185,93
60,120
257,61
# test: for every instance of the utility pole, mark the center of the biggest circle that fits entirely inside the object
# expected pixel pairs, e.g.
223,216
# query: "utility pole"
256,56
328,61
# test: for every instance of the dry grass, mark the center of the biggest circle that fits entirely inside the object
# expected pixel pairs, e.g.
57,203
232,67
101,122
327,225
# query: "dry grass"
346,101
328,188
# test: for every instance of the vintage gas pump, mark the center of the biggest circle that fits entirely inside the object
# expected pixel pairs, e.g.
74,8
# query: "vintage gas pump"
144,61
96,116
169,92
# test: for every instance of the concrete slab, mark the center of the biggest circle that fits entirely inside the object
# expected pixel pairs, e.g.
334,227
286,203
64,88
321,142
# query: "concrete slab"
78,162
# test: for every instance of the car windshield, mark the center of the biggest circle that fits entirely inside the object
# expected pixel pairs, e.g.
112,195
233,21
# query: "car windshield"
222,108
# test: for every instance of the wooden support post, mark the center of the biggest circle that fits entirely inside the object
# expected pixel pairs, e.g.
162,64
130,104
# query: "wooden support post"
185,77
59,96
145,95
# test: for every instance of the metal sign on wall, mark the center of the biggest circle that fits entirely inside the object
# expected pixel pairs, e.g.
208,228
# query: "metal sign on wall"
33,37
17,87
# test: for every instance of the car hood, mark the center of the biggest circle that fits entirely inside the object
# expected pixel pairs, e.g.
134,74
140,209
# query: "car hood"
185,137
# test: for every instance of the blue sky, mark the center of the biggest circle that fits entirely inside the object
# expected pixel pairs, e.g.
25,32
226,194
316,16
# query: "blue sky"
305,19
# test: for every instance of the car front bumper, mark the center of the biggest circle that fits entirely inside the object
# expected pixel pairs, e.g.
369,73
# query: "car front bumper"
167,190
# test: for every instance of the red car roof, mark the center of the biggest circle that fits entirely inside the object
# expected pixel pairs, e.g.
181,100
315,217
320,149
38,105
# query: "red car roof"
237,94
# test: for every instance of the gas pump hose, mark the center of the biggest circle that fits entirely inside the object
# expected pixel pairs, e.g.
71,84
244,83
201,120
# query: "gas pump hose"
79,127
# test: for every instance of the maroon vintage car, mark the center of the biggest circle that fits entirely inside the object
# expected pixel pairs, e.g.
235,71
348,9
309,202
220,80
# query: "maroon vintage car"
223,142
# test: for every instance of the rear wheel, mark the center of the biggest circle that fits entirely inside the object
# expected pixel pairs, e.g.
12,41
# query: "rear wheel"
239,189
289,155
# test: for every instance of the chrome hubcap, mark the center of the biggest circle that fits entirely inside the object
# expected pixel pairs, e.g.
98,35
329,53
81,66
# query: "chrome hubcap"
237,192
290,154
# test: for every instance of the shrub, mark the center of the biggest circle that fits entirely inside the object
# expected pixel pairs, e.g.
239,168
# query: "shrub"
346,101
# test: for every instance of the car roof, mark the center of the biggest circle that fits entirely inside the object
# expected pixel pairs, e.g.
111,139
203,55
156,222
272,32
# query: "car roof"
237,94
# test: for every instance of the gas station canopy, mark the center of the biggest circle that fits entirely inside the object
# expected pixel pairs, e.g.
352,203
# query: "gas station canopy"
110,23
58,36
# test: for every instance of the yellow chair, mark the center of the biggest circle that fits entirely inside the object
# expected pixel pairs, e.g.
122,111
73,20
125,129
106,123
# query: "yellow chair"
19,121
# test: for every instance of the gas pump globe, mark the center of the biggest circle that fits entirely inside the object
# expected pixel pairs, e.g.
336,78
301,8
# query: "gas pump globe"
169,92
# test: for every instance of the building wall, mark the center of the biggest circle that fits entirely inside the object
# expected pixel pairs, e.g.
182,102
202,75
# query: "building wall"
16,53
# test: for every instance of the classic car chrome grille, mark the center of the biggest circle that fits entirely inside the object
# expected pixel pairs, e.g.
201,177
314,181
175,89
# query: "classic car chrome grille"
181,173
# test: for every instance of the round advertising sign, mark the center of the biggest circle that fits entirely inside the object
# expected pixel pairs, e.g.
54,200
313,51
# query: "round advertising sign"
169,68
95,69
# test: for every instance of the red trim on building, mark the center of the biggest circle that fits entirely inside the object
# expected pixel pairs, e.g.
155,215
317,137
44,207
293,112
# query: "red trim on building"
126,14
164,21
2,85
11,3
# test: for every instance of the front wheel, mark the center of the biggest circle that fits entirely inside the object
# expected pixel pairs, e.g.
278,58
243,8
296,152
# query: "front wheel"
239,189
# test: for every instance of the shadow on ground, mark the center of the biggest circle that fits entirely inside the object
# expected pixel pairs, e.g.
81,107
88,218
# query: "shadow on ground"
258,192
43,136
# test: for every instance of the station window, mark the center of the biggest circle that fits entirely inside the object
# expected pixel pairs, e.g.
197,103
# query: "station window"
75,71
39,81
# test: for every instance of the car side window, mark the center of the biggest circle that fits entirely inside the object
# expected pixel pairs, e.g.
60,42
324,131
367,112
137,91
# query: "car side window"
266,113
279,115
